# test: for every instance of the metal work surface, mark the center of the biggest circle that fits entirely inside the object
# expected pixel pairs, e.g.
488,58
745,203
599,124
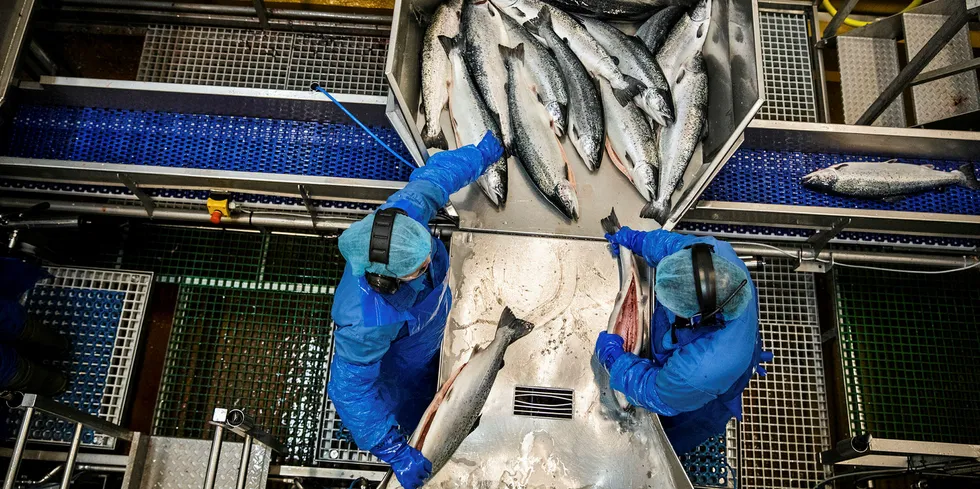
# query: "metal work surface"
733,58
567,289
101,312
899,343
739,182
262,351
786,421
204,142
264,59
867,66
949,96
177,463
787,69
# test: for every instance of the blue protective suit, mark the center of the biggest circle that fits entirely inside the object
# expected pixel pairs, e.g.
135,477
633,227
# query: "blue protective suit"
695,384
384,368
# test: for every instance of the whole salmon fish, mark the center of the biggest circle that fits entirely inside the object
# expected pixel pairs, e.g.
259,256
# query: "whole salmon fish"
632,311
455,411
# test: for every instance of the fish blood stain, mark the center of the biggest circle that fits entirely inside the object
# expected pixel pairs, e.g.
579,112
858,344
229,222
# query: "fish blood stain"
627,323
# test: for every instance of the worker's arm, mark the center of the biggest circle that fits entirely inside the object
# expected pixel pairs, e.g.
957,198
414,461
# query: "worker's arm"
446,172
354,382
354,390
684,383
656,245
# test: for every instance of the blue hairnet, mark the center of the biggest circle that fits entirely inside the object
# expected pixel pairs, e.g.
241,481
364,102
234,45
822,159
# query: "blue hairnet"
675,287
410,246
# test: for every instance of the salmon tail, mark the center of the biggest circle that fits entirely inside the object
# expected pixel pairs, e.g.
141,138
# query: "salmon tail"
434,138
448,43
970,177
517,328
542,21
625,95
610,224
656,210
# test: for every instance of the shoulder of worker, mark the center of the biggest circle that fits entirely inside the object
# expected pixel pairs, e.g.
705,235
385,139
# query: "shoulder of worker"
356,304
714,362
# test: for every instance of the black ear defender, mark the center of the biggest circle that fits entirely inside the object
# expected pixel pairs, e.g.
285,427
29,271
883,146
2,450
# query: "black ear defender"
705,285
380,247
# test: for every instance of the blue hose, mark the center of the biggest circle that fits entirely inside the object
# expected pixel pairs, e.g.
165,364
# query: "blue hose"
317,87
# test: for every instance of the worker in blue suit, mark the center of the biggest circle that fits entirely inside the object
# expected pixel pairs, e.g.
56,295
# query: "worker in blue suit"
390,311
704,334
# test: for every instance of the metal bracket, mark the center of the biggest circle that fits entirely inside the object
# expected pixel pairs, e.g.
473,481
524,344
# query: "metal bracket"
261,12
308,202
145,199
837,21
815,244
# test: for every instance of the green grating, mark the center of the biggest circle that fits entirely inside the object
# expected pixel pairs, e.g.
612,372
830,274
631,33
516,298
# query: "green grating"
909,346
178,251
212,256
262,351
303,259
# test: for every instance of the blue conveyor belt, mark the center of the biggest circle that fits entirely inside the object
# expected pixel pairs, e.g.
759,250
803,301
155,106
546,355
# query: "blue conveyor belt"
204,142
773,177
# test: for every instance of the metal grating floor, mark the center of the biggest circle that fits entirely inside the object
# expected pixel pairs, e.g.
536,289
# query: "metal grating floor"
898,343
102,312
204,142
262,351
264,59
786,420
787,67
738,181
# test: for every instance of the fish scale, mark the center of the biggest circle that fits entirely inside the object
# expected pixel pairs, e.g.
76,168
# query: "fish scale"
545,73
586,127
536,146
471,121
677,142
887,179
436,71
633,146
456,408
483,30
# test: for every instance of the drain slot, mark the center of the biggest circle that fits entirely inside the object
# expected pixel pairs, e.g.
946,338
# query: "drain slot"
543,402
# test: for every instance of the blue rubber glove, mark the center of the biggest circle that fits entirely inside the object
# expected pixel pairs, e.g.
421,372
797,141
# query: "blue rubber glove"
490,148
608,348
633,240
409,465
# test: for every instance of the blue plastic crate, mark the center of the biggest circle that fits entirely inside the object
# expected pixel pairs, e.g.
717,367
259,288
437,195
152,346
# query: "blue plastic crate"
707,465
206,142
773,177
90,319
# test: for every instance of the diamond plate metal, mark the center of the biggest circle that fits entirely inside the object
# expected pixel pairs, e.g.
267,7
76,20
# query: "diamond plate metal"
178,463
946,97
867,66
786,421
264,59
787,68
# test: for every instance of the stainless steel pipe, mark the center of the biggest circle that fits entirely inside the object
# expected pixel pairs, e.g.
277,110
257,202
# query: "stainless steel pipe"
931,261
76,440
212,473
22,434
236,10
258,219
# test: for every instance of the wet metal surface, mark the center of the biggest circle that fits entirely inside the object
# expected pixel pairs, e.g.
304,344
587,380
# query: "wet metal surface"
567,289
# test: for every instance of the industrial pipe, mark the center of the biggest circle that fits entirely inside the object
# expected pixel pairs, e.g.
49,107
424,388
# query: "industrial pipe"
247,219
233,21
236,10
932,261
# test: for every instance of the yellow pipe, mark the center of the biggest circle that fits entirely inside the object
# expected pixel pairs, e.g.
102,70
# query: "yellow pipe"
860,23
